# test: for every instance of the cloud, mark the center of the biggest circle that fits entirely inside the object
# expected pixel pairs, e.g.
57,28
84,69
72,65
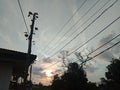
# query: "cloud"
91,69
38,71
108,55
43,80
41,67
92,66
117,51
47,60
106,39
57,71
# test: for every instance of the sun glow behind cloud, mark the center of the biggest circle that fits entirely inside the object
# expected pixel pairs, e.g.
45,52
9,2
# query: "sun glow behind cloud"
48,73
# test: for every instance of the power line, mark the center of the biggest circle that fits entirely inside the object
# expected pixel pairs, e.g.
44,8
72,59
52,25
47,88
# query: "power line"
85,28
100,31
103,51
99,53
104,44
98,47
65,24
76,22
96,34
82,24
94,51
23,16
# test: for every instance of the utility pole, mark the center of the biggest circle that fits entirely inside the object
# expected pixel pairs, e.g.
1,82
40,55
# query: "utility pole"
34,17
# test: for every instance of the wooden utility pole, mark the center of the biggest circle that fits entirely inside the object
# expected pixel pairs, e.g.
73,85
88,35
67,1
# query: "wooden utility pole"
34,17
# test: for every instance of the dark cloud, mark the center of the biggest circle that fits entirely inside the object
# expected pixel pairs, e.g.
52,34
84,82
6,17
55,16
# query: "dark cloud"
108,55
47,60
106,39
38,71
117,49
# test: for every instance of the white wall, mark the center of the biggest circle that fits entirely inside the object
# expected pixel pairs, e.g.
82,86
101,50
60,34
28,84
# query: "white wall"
5,75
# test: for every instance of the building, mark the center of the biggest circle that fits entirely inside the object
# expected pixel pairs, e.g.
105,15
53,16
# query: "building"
12,66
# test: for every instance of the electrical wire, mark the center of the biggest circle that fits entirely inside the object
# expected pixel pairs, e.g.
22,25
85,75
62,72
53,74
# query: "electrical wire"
97,54
104,44
96,34
77,22
84,29
23,16
99,32
102,52
82,24
94,51
94,37
65,24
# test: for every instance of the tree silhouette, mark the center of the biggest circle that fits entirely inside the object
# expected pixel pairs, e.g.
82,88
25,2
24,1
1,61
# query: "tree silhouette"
73,79
112,81
92,86
57,83
113,73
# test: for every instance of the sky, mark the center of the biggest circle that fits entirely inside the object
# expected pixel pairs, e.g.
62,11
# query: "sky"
59,22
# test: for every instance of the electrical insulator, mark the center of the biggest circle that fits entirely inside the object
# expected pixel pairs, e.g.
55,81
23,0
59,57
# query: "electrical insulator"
36,28
26,35
30,13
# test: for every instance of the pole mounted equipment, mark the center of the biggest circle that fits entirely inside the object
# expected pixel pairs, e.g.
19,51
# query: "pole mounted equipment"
29,38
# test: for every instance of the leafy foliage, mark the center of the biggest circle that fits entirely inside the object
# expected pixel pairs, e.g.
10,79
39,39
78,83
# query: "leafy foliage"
113,71
113,76
73,79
